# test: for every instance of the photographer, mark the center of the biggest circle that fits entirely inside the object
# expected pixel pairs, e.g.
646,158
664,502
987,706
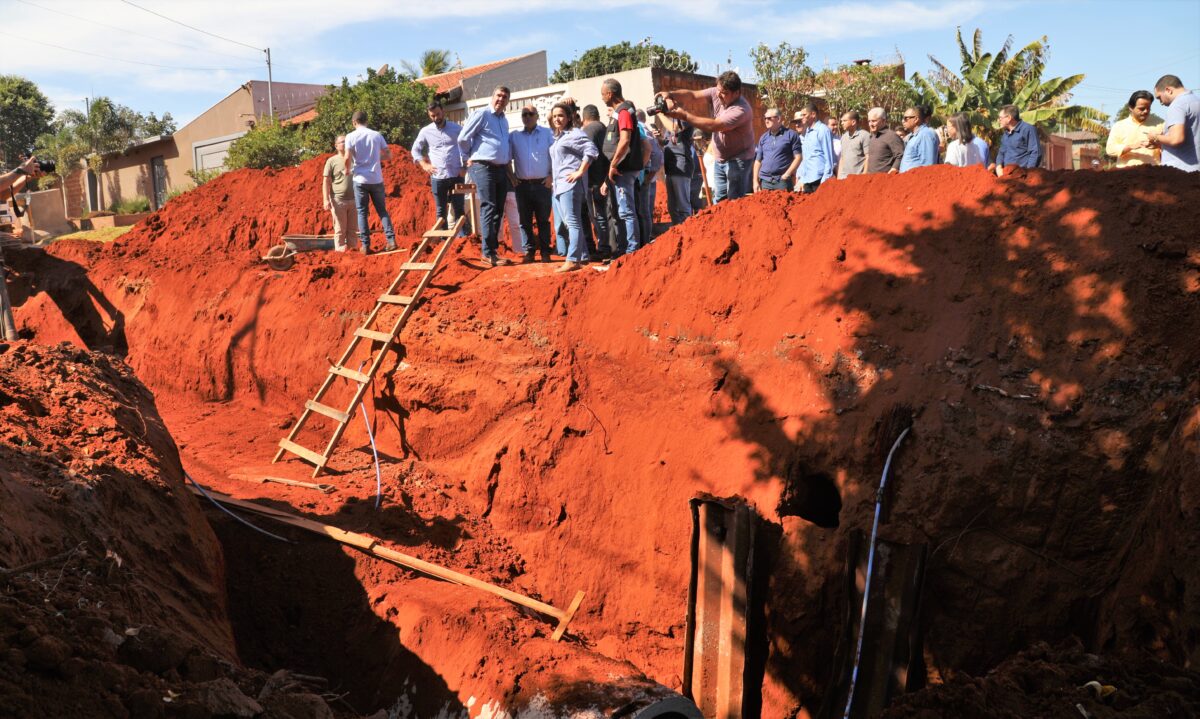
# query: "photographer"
732,129
28,168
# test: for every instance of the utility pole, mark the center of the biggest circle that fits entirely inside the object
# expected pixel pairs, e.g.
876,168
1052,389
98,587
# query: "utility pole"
270,93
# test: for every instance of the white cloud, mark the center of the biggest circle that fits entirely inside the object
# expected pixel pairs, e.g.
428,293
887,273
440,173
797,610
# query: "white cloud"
845,21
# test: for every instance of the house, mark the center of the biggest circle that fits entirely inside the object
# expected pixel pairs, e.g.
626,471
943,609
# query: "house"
1074,150
456,86
155,165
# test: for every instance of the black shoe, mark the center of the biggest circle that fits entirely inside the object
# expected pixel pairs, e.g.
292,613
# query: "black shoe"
529,258
490,260
545,257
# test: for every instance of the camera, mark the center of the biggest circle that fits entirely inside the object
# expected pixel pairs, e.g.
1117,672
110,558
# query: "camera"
45,167
660,105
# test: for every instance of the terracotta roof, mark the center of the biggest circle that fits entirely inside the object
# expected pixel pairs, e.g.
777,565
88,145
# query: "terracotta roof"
447,81
306,116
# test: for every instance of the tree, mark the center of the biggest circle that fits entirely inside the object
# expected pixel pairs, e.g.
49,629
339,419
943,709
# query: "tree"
432,62
395,106
107,127
64,148
862,87
25,114
610,59
988,82
785,81
267,144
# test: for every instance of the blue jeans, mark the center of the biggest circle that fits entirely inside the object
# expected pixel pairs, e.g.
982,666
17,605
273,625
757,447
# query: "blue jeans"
568,207
732,179
645,208
491,186
441,195
372,193
623,188
679,197
533,205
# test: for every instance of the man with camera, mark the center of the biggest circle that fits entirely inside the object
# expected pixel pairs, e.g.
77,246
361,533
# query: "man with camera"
732,129
29,168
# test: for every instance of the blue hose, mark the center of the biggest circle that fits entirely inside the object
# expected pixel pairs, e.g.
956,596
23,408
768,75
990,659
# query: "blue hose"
222,507
862,617
378,473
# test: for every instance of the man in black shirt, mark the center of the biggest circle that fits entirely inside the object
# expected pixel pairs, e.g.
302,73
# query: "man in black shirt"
597,176
678,161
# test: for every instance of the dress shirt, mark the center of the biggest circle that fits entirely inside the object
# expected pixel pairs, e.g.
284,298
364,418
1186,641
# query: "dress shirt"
1019,146
776,150
984,151
1129,132
367,146
439,145
920,150
566,155
884,151
817,165
484,137
531,152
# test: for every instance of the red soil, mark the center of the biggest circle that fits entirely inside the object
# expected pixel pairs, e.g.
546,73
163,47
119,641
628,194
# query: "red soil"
1040,325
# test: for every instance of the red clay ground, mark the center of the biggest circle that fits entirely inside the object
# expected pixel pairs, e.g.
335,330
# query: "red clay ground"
546,432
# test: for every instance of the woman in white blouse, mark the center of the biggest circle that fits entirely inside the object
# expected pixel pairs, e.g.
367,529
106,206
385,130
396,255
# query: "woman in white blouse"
961,151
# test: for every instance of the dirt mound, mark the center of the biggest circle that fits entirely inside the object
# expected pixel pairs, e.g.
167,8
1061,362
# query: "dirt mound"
112,599
1040,325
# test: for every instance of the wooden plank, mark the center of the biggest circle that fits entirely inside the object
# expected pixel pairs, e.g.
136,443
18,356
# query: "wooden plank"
302,452
396,299
418,266
373,335
440,233
372,546
350,374
326,410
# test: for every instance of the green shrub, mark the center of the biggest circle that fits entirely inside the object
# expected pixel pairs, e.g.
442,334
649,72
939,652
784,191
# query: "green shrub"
131,206
268,144
199,177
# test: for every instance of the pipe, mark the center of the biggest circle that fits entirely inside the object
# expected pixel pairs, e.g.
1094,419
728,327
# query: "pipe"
862,617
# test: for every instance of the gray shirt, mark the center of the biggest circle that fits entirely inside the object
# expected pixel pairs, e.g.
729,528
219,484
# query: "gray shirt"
1184,110
854,153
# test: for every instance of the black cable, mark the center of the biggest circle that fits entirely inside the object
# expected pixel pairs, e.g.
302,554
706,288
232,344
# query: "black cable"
131,62
190,27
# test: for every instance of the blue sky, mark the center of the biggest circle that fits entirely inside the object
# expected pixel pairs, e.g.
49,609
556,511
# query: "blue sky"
185,71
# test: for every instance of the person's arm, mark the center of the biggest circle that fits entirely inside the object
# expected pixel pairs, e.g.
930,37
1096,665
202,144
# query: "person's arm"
755,184
385,153
825,150
466,136
646,151
420,152
1116,145
27,168
797,156
349,158
897,146
327,187
1174,135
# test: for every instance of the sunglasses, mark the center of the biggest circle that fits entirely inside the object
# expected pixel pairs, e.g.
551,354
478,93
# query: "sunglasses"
910,117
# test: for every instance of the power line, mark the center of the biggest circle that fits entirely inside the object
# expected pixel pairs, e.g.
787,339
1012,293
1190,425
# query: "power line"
131,62
190,27
128,31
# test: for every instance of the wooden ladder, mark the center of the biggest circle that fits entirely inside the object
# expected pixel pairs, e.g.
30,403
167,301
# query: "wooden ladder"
384,338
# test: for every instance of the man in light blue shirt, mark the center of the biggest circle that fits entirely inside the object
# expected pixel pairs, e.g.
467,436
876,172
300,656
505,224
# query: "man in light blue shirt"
365,152
484,140
1180,136
817,164
531,179
921,147
436,151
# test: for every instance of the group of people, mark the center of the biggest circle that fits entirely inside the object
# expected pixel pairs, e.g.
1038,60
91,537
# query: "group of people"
598,180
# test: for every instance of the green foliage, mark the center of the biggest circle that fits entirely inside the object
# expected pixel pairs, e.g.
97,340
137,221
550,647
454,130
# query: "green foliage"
862,87
395,107
609,59
63,147
432,62
268,144
25,114
131,206
177,191
785,80
987,82
199,177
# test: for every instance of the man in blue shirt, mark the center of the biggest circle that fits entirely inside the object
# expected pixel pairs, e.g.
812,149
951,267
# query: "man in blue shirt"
484,140
532,181
1019,144
921,147
817,147
1180,137
777,155
436,151
365,152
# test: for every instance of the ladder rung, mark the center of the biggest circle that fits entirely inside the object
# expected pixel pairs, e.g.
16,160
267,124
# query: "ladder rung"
328,411
350,374
303,452
396,299
417,266
373,335
439,233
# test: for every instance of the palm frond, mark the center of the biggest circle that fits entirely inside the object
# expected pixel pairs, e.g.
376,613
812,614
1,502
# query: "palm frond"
963,53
